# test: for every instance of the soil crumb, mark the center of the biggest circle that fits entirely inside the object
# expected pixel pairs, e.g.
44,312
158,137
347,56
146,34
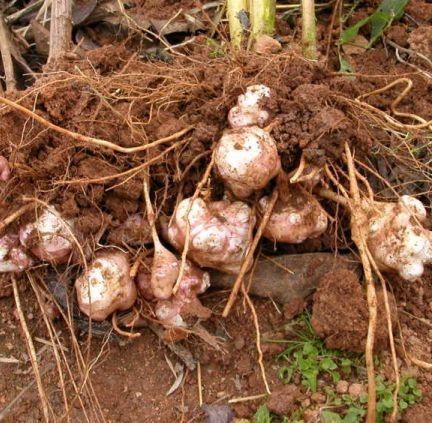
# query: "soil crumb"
340,313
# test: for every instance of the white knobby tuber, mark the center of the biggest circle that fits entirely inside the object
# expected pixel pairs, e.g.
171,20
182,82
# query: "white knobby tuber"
220,232
246,159
106,286
194,282
396,238
4,169
49,238
13,258
297,216
250,110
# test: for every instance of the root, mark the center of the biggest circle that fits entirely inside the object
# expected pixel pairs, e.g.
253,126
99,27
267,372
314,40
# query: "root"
197,192
91,140
15,215
249,256
258,338
120,331
32,353
358,238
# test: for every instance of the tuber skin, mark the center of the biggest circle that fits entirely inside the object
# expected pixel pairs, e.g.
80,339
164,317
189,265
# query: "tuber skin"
220,232
49,238
165,269
246,159
13,258
249,111
106,286
297,216
194,282
396,238
4,169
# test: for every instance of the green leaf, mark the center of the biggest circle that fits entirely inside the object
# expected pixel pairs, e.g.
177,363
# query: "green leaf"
262,415
354,415
330,417
363,398
380,20
411,382
350,33
335,376
328,364
310,379
403,404
286,374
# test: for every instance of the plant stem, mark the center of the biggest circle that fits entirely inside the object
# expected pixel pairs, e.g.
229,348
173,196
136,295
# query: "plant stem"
234,10
61,28
262,16
309,30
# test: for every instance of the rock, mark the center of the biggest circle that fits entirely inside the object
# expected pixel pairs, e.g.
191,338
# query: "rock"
311,416
284,400
273,280
217,413
356,389
342,387
294,308
318,398
265,44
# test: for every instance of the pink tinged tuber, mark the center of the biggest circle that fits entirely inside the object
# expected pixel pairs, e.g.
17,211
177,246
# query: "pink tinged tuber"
249,110
246,159
13,258
49,238
296,217
194,282
4,169
165,269
396,238
106,286
220,232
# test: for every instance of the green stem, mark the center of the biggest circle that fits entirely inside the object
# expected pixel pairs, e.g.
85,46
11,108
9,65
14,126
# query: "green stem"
262,16
234,9
309,30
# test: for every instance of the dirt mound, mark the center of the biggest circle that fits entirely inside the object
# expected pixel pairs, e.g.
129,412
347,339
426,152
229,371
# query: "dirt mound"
340,313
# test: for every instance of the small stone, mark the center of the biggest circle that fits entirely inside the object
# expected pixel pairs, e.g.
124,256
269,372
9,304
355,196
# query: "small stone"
265,44
30,316
356,389
138,394
318,398
306,403
342,387
311,416
220,394
239,342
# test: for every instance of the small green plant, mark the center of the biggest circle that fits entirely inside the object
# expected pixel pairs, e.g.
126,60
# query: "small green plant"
387,12
409,394
308,357
262,415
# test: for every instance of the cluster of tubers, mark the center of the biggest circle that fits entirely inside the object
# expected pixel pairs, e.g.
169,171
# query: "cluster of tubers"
216,234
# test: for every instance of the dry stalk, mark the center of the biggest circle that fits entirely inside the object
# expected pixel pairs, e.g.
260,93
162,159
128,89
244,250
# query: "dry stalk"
6,55
249,255
53,343
32,352
60,29
91,140
197,192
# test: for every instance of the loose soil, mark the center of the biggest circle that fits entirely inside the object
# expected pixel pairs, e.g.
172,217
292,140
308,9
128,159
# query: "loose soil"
130,101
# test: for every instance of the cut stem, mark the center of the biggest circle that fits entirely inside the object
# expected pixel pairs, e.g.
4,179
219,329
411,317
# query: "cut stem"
262,16
309,30
235,9
61,28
